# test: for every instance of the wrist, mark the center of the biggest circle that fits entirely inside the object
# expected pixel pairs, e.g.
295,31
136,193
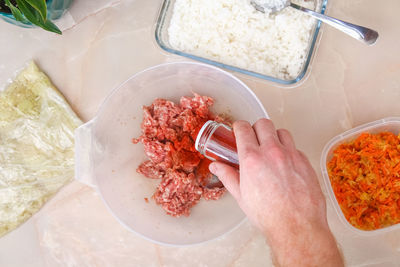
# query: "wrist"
305,246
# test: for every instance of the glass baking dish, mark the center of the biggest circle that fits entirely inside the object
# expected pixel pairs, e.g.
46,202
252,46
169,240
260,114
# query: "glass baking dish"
162,39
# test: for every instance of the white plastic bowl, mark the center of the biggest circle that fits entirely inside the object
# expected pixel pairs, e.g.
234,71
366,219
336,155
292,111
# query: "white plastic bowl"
107,159
384,125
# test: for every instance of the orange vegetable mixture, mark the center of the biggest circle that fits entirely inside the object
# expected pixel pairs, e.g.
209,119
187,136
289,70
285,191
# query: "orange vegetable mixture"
365,177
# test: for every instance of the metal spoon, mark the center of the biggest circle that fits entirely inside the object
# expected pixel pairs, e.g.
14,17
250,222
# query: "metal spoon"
214,182
360,33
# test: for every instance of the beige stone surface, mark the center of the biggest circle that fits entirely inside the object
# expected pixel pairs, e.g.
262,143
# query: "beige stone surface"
105,42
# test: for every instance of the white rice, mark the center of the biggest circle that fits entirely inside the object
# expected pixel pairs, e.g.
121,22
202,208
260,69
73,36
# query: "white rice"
234,33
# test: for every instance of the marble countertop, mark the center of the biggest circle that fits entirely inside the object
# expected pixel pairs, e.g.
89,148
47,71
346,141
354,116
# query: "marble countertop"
104,42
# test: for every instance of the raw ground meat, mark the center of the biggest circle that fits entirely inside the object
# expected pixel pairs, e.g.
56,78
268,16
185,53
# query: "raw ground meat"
169,132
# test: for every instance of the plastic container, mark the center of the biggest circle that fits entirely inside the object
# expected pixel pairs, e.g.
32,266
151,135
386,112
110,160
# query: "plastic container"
391,124
107,159
162,39
55,9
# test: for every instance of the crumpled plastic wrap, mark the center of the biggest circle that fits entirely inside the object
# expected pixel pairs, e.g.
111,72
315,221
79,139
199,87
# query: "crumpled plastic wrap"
36,146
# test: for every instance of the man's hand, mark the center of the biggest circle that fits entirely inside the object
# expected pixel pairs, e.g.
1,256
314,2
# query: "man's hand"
278,190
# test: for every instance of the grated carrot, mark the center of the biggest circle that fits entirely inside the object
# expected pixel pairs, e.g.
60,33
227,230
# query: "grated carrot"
365,177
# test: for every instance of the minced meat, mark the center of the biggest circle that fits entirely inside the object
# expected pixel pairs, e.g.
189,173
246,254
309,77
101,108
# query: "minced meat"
169,132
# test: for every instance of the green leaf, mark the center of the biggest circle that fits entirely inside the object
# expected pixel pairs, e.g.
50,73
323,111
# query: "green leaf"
15,11
29,12
40,6
51,27
33,16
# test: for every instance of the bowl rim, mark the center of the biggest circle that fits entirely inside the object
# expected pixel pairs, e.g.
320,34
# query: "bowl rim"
101,110
289,83
334,142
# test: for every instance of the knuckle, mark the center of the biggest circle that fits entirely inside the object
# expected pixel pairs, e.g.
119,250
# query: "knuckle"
241,125
249,153
277,153
283,131
253,162
264,122
251,157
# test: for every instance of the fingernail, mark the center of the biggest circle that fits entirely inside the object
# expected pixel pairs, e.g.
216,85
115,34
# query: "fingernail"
212,168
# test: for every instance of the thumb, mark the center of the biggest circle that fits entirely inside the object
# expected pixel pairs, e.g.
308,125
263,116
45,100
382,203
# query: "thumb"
228,175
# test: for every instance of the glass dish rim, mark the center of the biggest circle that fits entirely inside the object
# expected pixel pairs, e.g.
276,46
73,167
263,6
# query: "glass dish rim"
334,142
160,22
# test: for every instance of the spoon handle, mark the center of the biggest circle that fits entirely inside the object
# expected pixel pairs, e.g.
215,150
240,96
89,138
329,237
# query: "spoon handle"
360,33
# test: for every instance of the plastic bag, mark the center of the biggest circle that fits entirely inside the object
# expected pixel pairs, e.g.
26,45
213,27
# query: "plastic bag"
36,146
